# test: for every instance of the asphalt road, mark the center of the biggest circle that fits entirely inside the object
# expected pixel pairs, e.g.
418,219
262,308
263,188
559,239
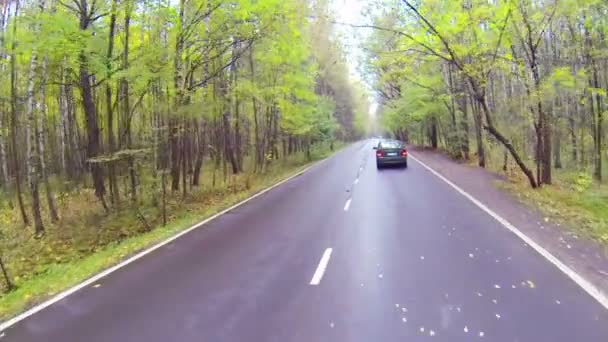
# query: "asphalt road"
342,253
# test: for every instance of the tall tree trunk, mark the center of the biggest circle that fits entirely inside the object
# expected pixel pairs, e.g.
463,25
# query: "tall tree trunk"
178,81
40,136
4,18
433,132
93,143
259,150
89,108
74,141
557,151
3,157
235,105
597,134
112,182
200,155
228,148
544,123
477,118
63,128
572,131
126,106
14,96
464,127
33,162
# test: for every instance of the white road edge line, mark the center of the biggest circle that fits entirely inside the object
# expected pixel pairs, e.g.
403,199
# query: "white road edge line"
316,278
586,285
356,181
7,324
347,205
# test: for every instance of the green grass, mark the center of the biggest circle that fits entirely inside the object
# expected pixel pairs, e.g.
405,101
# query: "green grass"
573,200
86,240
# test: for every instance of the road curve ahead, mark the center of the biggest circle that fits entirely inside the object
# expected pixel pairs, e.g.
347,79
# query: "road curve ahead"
342,253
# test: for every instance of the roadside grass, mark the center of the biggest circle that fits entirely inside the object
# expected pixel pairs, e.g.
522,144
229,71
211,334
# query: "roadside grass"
572,200
86,240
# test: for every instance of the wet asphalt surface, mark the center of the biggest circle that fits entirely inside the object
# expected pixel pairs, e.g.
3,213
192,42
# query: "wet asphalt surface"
412,260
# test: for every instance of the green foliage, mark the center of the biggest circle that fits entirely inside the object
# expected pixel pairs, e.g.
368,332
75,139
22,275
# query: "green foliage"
582,182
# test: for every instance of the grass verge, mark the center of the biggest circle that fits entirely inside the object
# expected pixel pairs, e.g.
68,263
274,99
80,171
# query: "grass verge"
86,242
573,200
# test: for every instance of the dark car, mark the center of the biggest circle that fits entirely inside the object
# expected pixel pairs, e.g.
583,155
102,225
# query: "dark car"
391,152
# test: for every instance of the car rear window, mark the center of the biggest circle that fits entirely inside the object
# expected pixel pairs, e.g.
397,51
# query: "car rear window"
390,144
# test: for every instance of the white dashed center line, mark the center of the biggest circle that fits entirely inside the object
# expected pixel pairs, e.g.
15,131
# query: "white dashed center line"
347,205
316,278
356,181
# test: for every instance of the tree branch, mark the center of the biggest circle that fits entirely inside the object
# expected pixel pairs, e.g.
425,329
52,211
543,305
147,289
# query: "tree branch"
431,27
76,9
410,37
542,31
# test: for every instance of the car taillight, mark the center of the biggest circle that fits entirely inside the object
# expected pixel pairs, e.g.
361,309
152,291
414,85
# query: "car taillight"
379,153
404,153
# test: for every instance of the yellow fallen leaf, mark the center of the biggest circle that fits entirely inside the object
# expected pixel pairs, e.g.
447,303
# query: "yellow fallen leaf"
530,284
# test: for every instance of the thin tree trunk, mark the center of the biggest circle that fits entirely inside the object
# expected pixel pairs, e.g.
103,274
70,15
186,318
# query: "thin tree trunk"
572,132
557,152
174,126
464,126
112,182
41,150
481,155
7,280
4,18
63,127
200,155
126,106
3,157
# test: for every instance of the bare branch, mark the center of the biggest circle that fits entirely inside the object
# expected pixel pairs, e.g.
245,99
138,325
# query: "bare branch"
410,37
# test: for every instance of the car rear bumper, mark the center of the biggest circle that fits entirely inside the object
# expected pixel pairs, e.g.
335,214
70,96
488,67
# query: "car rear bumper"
391,160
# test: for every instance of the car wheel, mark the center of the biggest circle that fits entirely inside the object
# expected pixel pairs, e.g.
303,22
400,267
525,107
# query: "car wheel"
378,166
405,165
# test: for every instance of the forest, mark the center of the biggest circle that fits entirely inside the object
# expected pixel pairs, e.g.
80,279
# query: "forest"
517,85
120,116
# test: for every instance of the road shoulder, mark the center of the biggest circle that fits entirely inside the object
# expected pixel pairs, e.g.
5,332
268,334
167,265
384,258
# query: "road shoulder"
586,257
